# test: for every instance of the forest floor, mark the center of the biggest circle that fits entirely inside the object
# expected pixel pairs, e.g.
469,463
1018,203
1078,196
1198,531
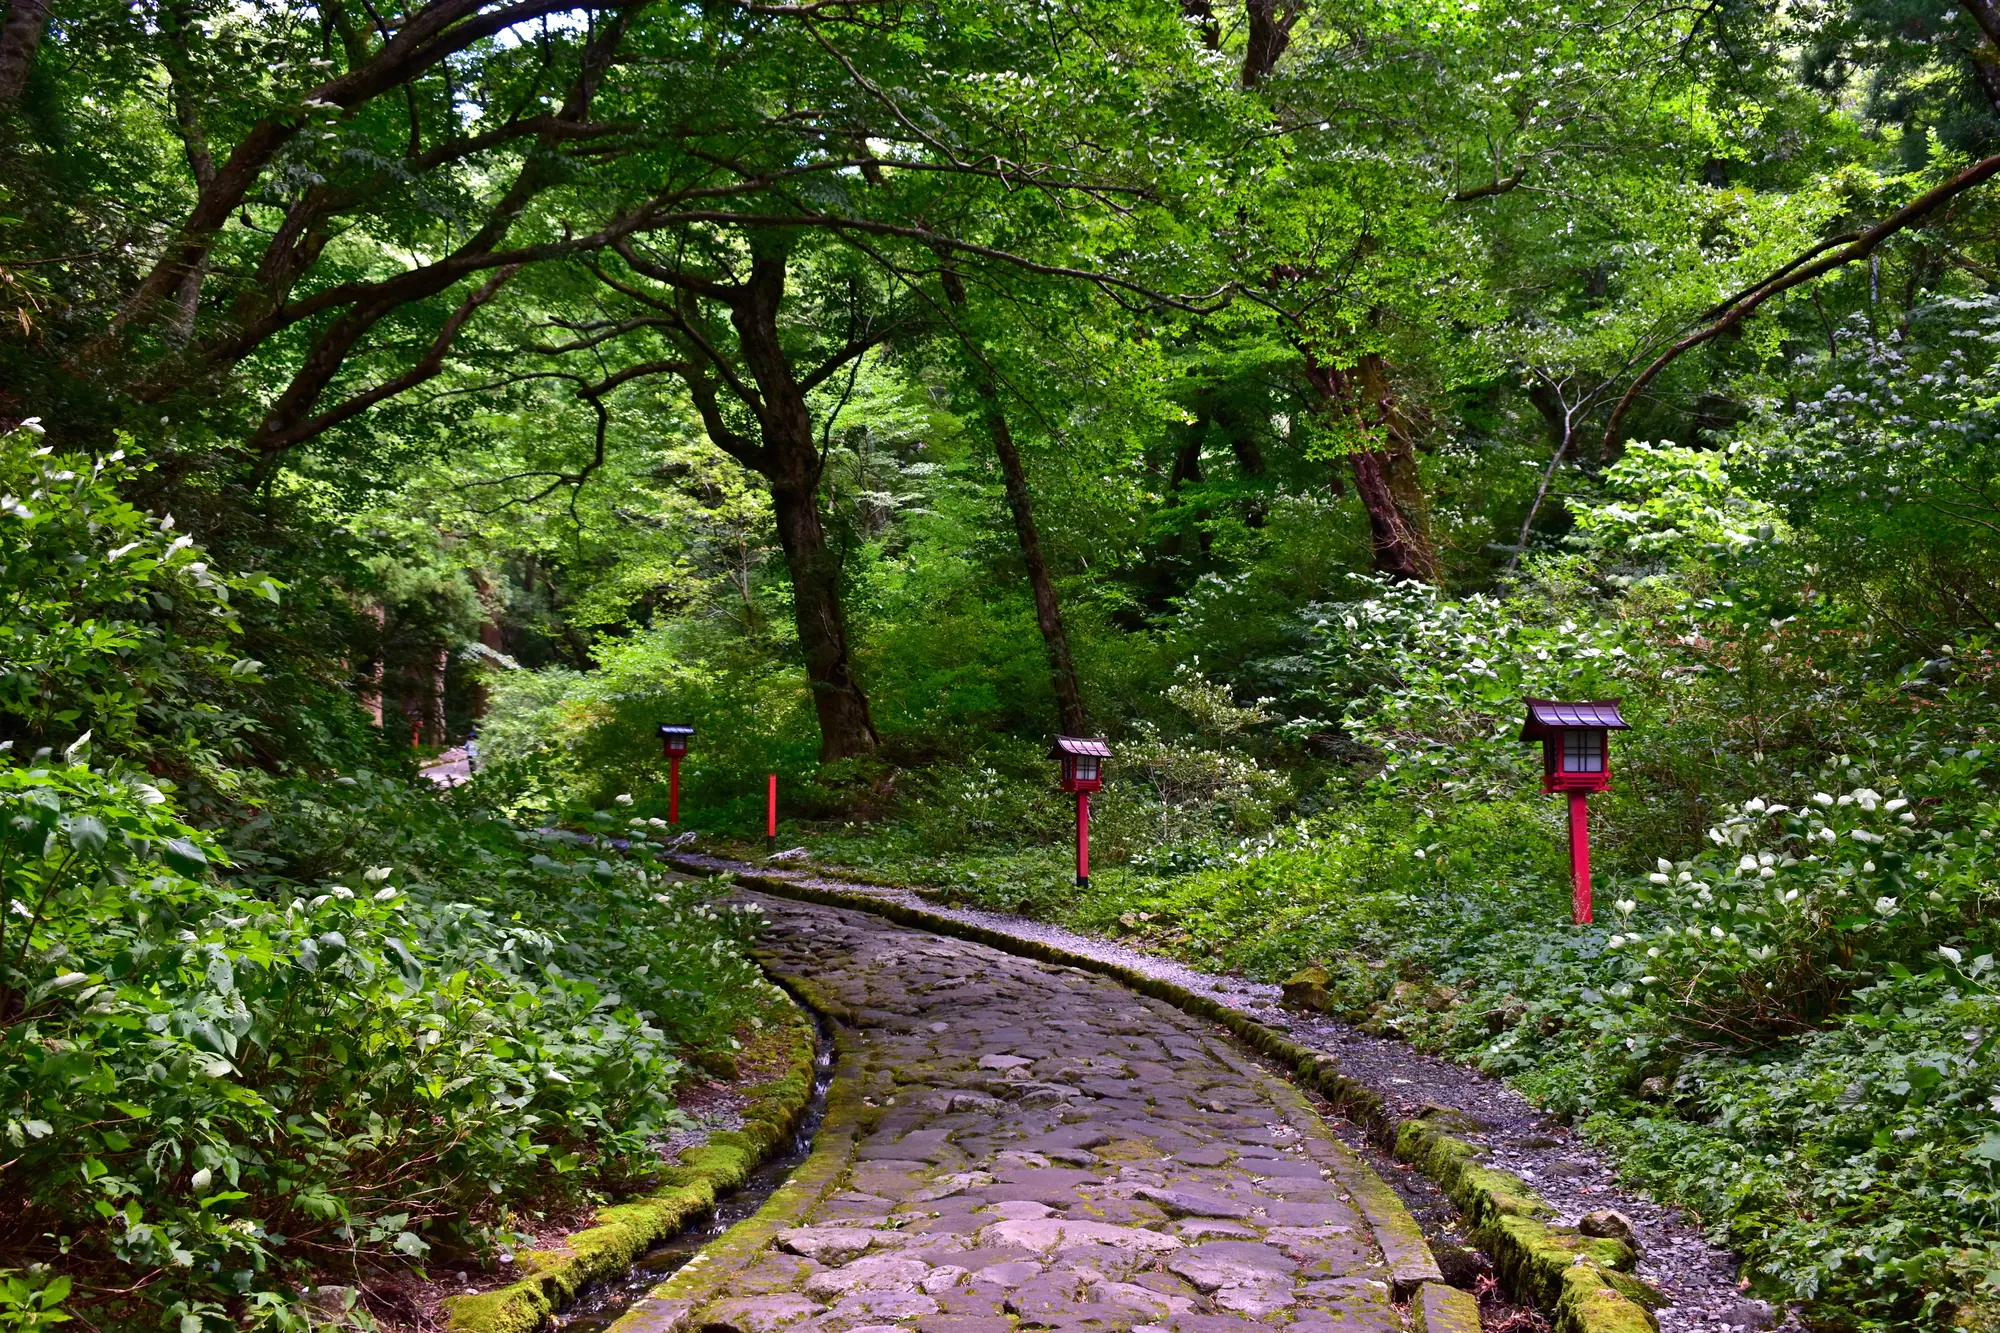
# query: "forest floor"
1700,1280
1020,1138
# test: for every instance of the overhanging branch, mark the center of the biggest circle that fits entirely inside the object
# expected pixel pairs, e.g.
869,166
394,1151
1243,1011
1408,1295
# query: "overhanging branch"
1798,271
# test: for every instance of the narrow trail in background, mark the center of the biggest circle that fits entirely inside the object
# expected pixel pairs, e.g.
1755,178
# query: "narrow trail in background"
1034,1146
1699,1279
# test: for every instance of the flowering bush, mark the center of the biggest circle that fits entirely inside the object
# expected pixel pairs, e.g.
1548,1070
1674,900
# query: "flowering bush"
1797,906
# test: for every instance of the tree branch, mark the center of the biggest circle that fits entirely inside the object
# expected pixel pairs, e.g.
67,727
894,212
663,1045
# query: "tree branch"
1798,271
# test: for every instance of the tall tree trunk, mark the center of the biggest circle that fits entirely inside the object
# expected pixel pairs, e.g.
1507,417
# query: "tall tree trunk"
792,467
20,35
371,688
1249,461
1186,469
434,723
1385,469
1270,23
1070,717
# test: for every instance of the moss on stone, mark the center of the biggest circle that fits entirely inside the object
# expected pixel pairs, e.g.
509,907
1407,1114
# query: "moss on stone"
1306,989
550,1279
1586,1303
1441,1309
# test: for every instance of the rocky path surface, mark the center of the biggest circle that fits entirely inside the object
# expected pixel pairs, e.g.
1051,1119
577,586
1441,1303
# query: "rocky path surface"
1032,1146
1699,1279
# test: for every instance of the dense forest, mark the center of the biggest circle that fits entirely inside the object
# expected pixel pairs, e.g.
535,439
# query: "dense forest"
1279,389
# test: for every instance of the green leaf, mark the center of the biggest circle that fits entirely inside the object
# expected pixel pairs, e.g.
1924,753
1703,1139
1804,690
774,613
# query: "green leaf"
184,856
87,834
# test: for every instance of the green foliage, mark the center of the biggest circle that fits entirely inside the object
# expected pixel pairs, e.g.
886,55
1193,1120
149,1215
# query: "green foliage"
233,1080
566,741
114,624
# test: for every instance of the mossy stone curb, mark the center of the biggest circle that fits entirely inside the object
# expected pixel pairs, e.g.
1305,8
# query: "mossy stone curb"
1584,1284
1578,1283
667,1307
551,1278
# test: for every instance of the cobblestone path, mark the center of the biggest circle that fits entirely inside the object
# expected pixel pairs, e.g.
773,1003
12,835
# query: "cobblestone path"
1020,1145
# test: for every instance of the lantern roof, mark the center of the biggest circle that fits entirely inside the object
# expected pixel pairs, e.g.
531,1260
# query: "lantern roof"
1546,716
1080,745
675,729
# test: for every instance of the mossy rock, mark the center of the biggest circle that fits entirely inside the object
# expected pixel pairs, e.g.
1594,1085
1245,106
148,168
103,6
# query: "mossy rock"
1586,1303
718,1064
1306,989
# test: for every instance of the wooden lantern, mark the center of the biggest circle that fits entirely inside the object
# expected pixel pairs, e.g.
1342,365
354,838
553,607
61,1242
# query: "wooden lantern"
1576,760
1083,773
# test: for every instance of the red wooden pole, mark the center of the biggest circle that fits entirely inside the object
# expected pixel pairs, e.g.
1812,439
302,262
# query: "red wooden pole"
1579,856
1083,839
771,814
674,789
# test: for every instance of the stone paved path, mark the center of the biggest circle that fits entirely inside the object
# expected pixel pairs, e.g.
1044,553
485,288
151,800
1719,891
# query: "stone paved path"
1031,1146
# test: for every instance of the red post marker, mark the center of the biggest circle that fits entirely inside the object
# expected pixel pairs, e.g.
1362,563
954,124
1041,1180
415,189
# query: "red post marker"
1083,773
1082,839
674,738
1576,760
771,814
1579,857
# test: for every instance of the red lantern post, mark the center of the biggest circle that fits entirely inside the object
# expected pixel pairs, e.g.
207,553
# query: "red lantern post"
674,739
771,814
1083,773
1576,760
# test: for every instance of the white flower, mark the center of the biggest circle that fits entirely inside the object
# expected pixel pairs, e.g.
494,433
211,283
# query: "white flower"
1686,875
377,875
384,895
1885,906
1625,906
1949,954
1867,798
1766,859
1617,941
1791,895
1868,867
341,891
1658,879
1828,835
1767,873
1746,862
1653,953
623,798
148,794
1716,931
1648,981
1893,806
1908,817
1754,806
1665,865
200,1180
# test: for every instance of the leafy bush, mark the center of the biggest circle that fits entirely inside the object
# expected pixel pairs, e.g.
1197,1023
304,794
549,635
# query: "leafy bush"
223,1084
115,624
339,1029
